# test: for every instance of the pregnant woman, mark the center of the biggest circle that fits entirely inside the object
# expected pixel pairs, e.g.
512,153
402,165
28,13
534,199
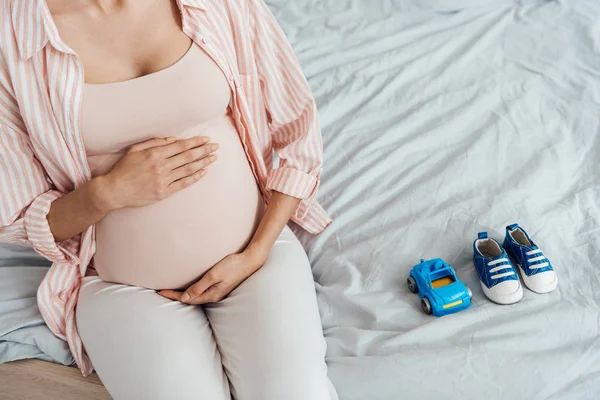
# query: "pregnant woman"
136,153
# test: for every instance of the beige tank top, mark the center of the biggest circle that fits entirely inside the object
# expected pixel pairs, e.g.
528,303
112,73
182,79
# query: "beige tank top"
171,243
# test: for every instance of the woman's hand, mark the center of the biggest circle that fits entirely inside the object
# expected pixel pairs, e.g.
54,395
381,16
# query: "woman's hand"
234,269
219,281
155,169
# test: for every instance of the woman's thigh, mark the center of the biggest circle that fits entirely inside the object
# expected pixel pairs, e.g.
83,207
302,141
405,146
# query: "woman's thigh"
144,346
269,330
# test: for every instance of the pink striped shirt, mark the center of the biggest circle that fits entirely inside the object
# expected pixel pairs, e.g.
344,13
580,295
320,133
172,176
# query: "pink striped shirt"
42,156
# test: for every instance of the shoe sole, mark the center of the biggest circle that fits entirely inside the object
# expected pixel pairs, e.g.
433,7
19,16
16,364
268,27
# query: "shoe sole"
510,298
540,289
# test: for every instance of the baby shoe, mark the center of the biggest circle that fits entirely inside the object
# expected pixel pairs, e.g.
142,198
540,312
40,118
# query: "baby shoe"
498,277
536,270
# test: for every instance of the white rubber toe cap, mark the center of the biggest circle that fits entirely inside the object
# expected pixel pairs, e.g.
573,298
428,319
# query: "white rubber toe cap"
506,292
542,282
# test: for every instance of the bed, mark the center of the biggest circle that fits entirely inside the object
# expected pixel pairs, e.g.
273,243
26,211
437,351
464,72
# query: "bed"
442,119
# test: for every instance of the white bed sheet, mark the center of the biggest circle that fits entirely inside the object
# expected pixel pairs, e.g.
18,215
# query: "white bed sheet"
442,119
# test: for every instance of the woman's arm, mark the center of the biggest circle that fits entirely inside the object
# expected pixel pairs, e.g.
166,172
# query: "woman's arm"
76,211
148,172
26,194
278,213
291,111
88,204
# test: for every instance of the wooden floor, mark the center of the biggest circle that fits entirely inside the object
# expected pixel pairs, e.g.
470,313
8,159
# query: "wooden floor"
34,379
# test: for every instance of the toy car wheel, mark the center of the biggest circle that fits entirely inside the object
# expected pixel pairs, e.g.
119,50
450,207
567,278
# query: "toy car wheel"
470,293
412,284
426,305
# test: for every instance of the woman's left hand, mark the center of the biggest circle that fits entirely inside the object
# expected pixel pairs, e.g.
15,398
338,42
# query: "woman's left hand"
219,281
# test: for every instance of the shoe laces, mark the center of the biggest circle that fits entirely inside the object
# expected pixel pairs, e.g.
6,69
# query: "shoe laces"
537,256
504,264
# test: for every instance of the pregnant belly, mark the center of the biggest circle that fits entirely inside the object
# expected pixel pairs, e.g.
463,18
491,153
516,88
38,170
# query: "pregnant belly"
171,243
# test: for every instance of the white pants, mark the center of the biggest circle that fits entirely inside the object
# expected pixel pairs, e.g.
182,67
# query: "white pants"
263,342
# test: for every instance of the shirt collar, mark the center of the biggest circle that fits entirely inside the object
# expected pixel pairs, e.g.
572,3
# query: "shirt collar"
200,4
30,25
34,26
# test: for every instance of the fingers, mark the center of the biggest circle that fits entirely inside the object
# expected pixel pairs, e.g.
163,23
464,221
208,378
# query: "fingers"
191,155
182,145
170,294
213,294
151,143
185,182
195,291
191,168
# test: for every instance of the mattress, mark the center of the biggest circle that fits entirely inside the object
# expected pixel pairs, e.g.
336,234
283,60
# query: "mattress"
441,120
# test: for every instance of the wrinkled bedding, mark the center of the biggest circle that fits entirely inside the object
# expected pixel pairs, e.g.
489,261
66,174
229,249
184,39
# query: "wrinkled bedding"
23,333
442,119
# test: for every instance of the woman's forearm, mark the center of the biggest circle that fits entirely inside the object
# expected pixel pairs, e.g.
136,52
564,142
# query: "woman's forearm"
88,204
79,209
278,213
148,172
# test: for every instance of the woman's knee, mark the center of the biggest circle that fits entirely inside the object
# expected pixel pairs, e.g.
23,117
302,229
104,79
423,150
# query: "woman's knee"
290,379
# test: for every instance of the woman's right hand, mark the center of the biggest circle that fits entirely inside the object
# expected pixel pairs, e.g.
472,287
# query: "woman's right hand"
157,168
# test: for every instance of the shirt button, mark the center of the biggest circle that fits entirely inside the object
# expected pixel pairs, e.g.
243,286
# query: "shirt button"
203,40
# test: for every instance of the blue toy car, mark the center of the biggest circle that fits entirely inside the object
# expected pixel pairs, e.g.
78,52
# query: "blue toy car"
438,287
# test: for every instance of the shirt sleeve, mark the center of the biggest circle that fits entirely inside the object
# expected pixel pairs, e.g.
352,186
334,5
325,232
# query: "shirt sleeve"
26,199
291,109
26,193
